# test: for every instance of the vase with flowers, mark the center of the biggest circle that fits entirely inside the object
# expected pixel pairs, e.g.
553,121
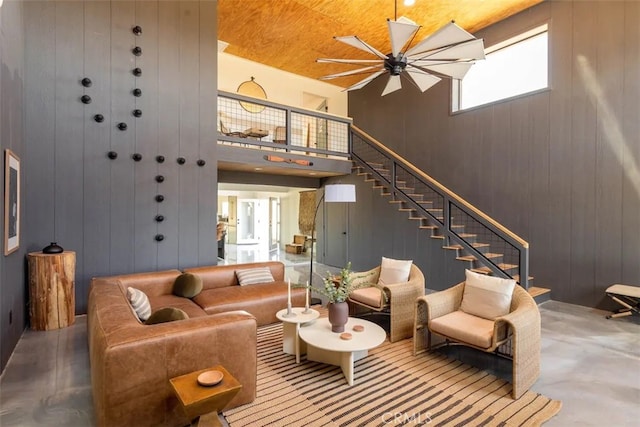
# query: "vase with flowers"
337,288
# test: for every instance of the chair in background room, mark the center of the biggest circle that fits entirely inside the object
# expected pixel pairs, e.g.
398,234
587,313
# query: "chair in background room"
400,293
487,313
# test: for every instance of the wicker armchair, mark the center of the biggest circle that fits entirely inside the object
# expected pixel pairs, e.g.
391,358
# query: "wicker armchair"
515,335
400,300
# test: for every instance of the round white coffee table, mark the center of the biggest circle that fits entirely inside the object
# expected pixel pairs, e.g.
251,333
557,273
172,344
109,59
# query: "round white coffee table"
291,325
327,347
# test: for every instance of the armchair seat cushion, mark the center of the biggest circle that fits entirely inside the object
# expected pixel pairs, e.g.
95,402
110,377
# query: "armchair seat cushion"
464,327
370,296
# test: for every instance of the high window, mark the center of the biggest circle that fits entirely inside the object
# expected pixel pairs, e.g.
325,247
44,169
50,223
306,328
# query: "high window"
513,67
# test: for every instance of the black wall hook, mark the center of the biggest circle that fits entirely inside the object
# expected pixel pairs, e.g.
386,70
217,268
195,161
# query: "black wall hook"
112,155
181,160
159,218
122,126
159,198
160,159
137,72
137,92
159,178
137,51
98,118
86,99
201,162
137,157
159,237
137,30
137,113
86,82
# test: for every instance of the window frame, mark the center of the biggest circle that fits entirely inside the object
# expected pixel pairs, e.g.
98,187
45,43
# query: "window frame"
513,40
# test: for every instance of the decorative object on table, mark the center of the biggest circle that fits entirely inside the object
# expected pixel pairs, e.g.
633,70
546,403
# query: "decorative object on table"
11,202
358,328
307,310
53,248
210,378
289,312
253,89
346,336
449,52
333,193
337,290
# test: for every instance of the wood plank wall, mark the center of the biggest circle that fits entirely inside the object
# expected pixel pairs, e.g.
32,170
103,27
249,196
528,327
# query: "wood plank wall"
12,267
560,168
105,209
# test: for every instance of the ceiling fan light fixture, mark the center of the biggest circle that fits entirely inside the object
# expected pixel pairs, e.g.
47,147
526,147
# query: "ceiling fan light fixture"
448,52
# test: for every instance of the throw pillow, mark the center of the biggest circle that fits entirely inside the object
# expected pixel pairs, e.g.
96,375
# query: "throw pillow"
140,303
187,285
486,296
251,276
166,314
394,271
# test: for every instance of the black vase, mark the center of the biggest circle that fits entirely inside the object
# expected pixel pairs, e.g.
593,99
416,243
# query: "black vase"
53,248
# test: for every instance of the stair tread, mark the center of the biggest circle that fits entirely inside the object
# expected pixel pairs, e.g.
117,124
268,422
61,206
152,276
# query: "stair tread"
474,258
487,270
535,291
460,247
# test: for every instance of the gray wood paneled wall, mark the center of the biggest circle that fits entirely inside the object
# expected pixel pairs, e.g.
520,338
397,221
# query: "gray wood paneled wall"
561,168
104,209
12,267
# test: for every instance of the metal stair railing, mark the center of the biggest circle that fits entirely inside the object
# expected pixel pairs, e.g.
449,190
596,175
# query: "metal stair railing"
444,209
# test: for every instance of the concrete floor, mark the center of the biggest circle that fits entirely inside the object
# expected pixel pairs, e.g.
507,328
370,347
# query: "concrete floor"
589,363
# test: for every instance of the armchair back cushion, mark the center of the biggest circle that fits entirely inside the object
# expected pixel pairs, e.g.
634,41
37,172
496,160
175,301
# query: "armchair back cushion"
485,296
394,271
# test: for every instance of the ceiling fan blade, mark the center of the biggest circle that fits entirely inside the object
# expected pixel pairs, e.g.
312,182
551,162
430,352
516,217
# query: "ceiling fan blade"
447,35
364,81
359,44
472,49
422,79
393,84
351,72
400,32
350,61
457,70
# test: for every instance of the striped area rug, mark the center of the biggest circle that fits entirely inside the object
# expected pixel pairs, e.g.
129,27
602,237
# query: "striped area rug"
392,387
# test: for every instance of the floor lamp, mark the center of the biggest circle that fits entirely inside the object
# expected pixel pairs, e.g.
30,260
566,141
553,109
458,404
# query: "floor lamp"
333,193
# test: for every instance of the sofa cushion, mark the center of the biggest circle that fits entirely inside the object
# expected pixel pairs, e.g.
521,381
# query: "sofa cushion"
166,314
464,327
394,271
187,285
262,300
486,296
139,302
252,276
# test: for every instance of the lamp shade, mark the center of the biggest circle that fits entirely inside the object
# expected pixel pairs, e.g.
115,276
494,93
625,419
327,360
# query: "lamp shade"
339,193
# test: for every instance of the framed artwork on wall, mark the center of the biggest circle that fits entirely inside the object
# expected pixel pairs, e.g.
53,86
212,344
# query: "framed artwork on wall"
11,202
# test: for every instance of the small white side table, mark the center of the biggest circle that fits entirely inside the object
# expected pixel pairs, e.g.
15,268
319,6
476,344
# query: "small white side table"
291,343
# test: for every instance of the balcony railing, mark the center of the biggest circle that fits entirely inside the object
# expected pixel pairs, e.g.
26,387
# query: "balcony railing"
257,123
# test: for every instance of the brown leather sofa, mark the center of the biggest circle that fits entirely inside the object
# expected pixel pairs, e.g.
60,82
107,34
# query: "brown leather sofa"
131,363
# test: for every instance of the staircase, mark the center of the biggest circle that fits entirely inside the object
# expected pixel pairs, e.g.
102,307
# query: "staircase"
481,243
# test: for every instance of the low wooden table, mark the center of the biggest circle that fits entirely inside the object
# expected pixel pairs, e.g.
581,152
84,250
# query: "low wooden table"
200,403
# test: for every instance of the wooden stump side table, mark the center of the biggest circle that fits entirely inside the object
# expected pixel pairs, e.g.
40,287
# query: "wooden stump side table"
201,403
52,300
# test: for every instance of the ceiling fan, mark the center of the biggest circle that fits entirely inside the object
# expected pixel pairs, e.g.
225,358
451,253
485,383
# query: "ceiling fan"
448,52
